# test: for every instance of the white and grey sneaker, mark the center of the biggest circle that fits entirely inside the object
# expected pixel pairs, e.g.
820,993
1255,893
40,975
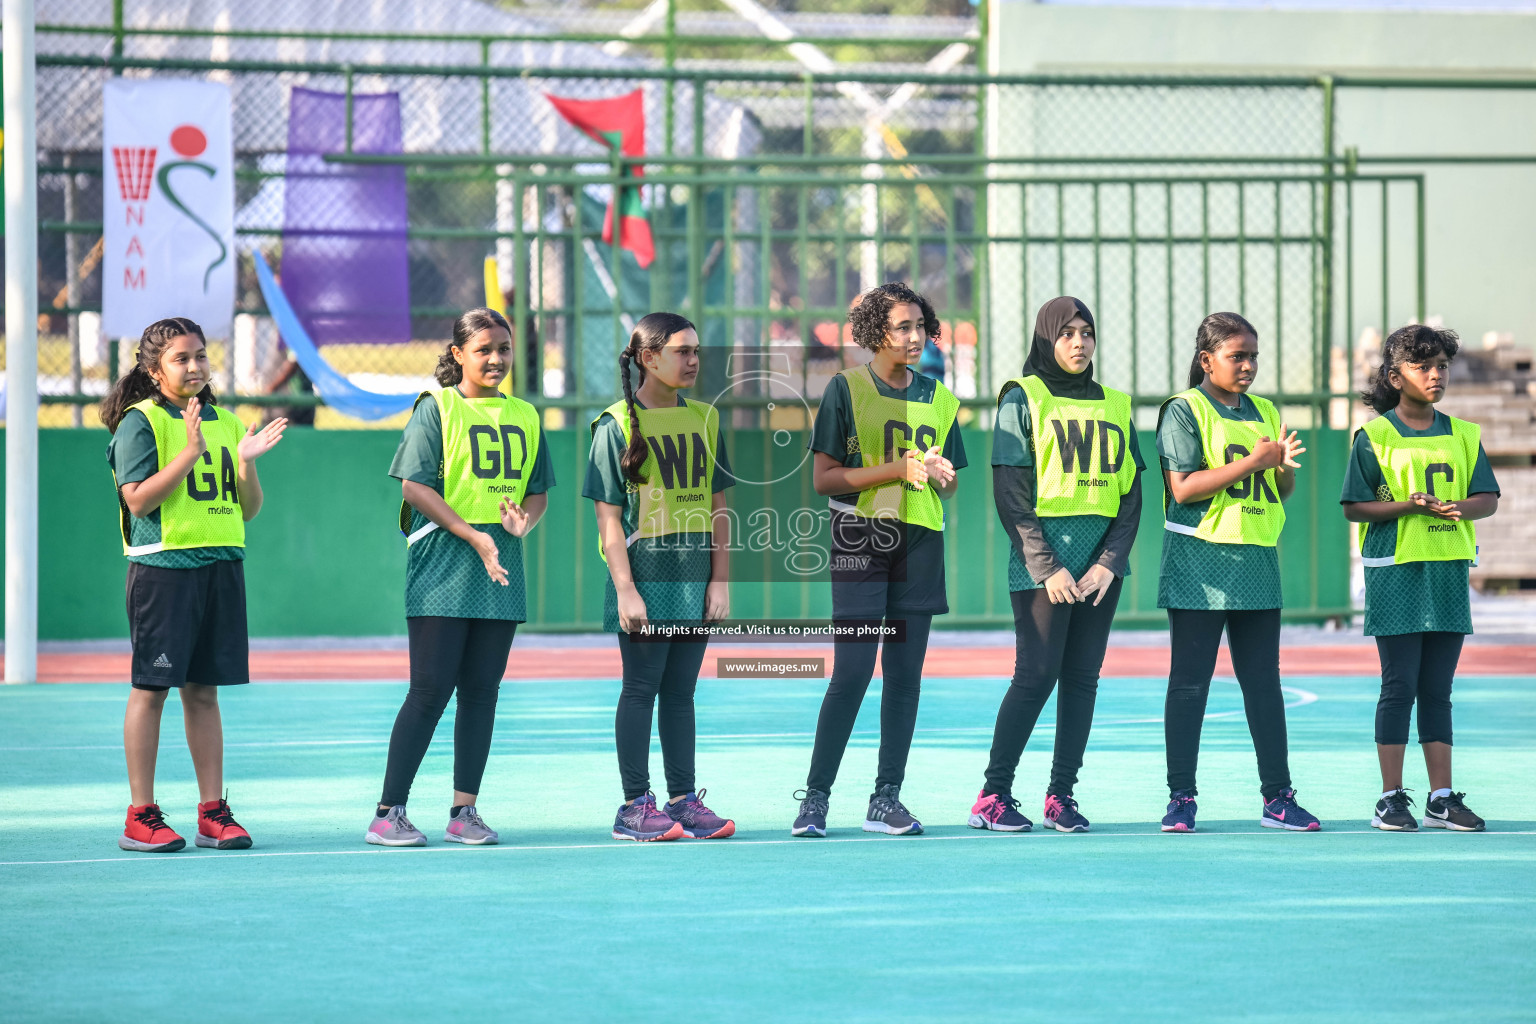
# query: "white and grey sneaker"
887,814
394,829
469,828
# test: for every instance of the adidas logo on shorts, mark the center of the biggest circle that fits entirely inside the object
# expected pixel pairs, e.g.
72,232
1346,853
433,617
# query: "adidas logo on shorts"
162,662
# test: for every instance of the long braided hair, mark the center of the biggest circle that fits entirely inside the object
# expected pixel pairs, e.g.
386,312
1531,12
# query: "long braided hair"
137,384
649,335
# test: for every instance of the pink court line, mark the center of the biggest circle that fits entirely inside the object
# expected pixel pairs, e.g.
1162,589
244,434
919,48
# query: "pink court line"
620,845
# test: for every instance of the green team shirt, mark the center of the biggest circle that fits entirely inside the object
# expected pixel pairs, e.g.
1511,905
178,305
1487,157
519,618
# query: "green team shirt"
133,456
671,573
833,431
1195,573
1077,540
1415,597
443,575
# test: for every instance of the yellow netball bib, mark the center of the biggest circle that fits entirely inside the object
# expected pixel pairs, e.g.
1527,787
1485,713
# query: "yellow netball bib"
1250,511
887,429
1082,452
204,512
1441,466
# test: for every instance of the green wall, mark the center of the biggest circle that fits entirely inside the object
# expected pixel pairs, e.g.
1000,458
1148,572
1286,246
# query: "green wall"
326,558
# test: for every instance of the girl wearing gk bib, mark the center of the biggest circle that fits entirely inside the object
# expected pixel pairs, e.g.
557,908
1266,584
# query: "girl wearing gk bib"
1228,466
1416,481
886,450
657,475
186,486
473,472
1066,480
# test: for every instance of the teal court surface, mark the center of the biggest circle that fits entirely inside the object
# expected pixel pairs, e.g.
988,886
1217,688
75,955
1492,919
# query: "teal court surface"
561,922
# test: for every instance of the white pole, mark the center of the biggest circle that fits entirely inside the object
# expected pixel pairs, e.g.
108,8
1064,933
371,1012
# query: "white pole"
20,343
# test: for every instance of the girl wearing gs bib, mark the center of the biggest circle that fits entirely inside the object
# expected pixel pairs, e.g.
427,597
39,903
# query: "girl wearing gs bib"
657,475
1417,479
473,472
886,451
1228,467
186,486
1066,480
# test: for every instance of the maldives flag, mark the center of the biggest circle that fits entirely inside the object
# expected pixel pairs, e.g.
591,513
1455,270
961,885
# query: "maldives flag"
618,123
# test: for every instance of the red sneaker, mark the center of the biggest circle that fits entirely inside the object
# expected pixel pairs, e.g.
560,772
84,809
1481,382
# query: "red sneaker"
147,832
216,827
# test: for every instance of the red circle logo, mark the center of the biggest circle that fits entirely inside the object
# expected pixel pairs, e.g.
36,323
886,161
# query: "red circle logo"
189,140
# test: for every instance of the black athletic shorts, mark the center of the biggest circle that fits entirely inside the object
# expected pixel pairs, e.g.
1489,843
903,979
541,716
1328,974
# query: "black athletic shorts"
188,625
884,567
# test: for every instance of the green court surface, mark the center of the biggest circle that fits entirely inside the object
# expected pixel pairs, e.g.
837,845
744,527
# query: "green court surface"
561,922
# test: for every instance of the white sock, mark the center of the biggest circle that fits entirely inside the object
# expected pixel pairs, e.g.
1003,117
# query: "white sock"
1388,793
1439,794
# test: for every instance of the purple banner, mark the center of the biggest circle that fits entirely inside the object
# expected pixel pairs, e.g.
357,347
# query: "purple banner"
344,265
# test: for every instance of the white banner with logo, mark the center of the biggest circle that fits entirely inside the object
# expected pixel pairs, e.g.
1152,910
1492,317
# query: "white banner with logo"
169,205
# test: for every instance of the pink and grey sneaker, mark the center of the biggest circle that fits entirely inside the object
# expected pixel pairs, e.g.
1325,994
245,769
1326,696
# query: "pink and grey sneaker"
998,812
467,827
1181,812
1284,812
1061,814
698,821
393,828
643,822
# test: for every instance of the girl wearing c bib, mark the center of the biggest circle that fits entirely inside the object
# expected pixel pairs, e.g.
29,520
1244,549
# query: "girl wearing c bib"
1417,479
886,450
473,472
1228,467
186,486
1066,480
657,475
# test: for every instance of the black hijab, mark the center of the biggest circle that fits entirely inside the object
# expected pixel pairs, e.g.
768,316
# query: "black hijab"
1041,361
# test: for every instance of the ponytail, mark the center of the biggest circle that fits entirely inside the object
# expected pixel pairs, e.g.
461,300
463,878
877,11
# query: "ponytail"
137,384
470,323
649,335
1416,343
1214,330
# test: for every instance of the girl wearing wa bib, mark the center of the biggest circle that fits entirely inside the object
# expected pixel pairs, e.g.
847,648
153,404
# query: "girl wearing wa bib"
656,476
1066,479
1228,467
473,472
1417,479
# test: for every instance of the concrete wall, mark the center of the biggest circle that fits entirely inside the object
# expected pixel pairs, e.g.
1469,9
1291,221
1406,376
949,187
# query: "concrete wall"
1481,221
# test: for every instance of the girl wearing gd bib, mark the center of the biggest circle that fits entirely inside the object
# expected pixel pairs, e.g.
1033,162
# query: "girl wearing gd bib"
473,470
1228,465
1417,479
656,475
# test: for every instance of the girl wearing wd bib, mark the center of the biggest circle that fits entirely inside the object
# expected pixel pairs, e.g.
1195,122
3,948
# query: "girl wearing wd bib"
657,474
1228,465
473,472
1416,480
886,450
186,486
1066,479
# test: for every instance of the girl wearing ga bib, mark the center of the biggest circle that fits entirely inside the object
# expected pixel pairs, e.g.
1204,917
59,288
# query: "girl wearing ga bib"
1228,466
657,475
186,486
1066,480
473,471
1417,479
886,451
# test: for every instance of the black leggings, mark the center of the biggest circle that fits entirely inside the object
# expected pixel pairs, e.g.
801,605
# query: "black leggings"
447,655
1418,665
1254,641
667,669
853,665
1051,642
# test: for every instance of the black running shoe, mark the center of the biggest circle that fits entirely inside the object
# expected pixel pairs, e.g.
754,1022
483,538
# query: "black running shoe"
1450,813
813,813
1061,814
886,814
1392,813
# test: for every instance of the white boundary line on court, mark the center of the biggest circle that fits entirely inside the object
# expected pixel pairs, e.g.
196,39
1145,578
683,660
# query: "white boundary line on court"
1303,698
371,851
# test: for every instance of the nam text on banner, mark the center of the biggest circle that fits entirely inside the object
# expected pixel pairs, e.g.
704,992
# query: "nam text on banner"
168,205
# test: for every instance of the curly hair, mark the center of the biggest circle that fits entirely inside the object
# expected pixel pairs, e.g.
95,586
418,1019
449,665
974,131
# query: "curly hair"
1416,343
869,317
